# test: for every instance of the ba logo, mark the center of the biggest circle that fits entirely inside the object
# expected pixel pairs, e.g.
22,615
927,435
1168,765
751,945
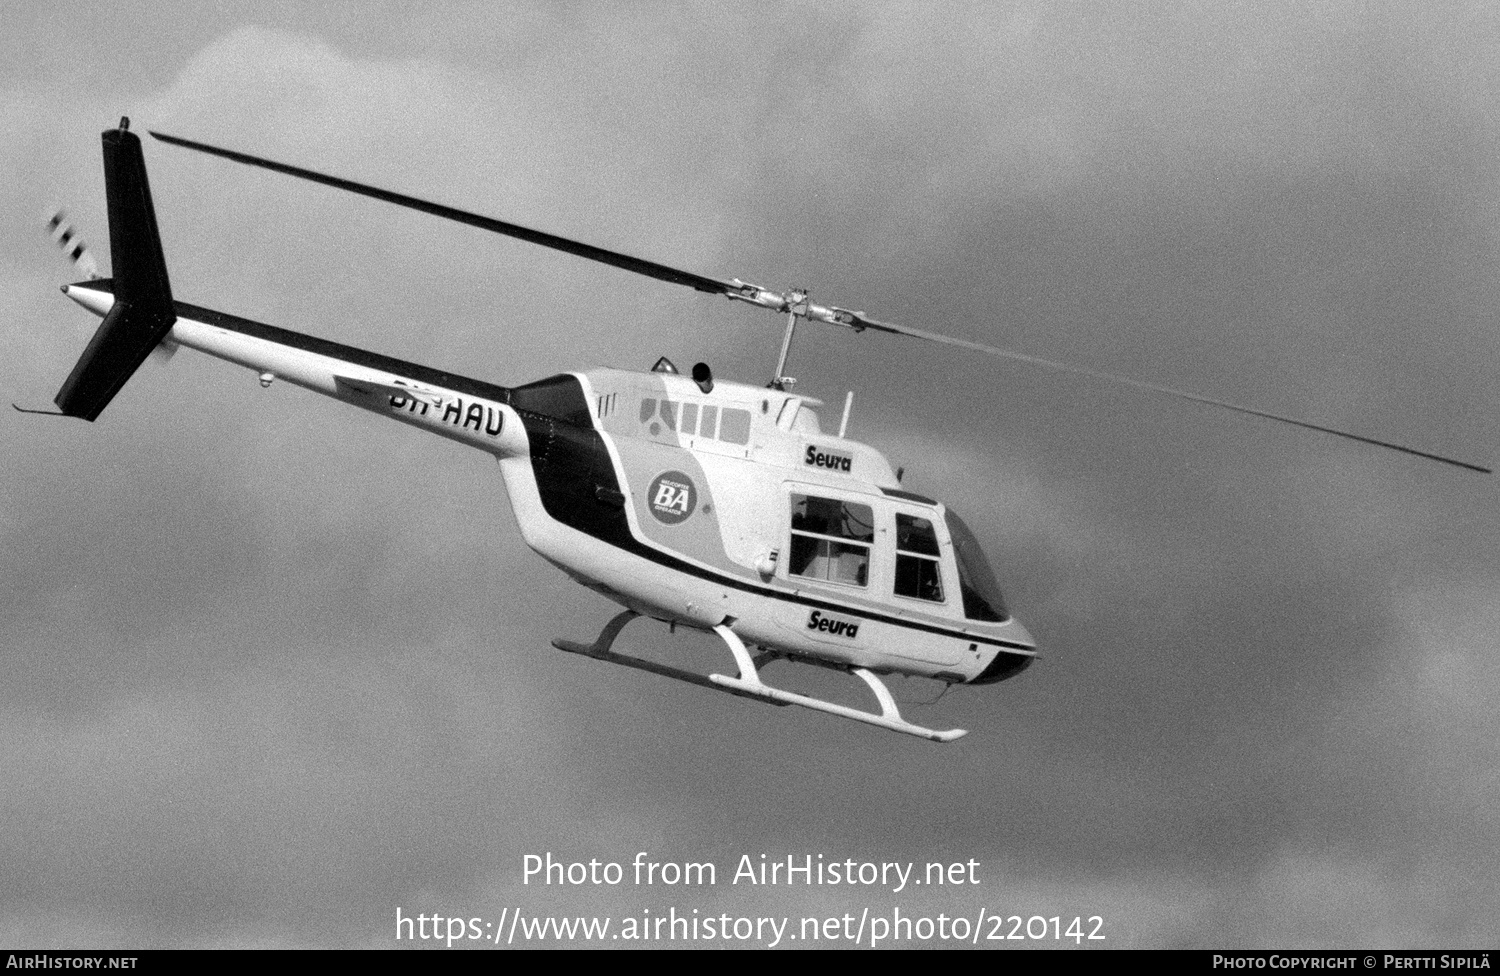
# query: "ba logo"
672,497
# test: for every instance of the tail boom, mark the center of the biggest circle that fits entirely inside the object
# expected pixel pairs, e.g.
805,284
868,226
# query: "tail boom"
469,411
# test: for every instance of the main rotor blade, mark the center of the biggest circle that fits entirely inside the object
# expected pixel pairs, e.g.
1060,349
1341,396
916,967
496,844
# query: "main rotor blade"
638,265
795,302
859,322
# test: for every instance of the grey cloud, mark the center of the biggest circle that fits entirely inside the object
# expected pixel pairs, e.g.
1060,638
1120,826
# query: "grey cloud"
306,657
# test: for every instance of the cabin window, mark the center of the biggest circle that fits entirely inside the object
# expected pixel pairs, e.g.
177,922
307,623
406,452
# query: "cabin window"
734,427
703,420
918,572
830,539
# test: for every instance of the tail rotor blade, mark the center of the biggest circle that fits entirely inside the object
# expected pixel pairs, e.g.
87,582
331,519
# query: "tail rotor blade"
72,244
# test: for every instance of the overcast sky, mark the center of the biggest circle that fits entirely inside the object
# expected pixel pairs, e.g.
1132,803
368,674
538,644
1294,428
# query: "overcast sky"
273,668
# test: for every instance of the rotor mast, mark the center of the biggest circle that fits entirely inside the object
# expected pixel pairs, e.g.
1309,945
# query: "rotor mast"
797,304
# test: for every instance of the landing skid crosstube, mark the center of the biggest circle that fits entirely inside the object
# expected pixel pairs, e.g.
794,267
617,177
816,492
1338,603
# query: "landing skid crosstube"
750,685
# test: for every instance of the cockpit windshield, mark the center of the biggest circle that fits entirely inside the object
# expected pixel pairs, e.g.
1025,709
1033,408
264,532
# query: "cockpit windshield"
976,581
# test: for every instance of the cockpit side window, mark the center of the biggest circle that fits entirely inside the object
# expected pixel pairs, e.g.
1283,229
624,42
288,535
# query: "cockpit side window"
976,581
918,571
831,540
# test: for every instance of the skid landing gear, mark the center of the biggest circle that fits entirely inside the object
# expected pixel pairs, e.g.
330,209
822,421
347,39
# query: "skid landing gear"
750,685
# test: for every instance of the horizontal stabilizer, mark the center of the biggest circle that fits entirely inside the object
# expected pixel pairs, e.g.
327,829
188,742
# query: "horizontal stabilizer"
143,312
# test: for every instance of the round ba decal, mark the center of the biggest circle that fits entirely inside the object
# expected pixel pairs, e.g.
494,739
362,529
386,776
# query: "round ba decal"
672,497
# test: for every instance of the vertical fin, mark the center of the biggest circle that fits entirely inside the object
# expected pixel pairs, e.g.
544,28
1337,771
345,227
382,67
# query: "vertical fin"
143,312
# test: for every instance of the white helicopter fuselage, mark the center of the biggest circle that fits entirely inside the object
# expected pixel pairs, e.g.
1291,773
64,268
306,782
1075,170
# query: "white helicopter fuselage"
707,508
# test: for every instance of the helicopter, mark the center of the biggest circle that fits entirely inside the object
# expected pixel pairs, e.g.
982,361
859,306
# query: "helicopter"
718,506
